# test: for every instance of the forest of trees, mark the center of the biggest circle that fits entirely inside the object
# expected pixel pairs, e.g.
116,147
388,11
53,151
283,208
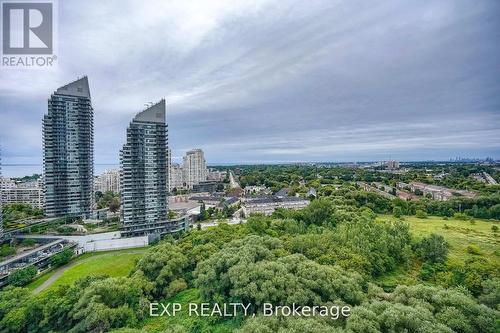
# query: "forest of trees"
457,175
331,252
19,211
341,181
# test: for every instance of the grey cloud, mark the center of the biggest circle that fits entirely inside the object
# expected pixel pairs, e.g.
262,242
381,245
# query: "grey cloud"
278,81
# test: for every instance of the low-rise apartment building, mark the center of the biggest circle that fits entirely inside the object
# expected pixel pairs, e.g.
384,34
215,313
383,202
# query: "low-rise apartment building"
267,205
30,193
257,190
436,192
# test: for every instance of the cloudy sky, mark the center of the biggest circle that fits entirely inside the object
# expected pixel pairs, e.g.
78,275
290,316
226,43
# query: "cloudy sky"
275,81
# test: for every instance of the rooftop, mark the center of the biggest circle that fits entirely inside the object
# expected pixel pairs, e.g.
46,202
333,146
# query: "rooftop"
79,88
263,200
156,113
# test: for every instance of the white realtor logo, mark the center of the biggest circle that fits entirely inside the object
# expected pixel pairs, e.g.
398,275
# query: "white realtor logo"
35,20
28,29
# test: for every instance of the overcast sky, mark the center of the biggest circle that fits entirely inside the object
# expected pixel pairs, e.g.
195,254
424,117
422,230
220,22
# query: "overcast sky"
275,81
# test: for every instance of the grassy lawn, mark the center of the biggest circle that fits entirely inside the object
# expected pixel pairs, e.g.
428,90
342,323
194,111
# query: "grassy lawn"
111,263
458,234
39,280
190,324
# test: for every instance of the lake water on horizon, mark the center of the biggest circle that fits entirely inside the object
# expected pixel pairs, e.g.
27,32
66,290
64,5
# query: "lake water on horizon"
21,170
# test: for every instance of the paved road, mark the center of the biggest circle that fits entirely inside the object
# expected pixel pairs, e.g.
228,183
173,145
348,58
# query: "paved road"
232,181
58,272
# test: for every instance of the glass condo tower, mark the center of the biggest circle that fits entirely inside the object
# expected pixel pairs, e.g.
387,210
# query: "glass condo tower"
143,175
68,151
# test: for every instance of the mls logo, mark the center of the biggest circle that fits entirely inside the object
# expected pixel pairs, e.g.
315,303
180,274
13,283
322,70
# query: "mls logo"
27,27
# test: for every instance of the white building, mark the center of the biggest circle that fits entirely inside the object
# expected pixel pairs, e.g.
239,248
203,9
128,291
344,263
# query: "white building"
438,193
176,177
30,193
109,180
257,190
392,164
7,183
195,168
267,205
216,175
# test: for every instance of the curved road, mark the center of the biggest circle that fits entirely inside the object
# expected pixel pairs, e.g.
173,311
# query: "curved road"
47,283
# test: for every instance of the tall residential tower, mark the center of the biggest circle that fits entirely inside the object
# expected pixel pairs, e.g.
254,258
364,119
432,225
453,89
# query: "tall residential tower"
143,175
68,151
195,168
1,219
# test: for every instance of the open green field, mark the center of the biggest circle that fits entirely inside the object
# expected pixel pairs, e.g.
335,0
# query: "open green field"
459,234
111,263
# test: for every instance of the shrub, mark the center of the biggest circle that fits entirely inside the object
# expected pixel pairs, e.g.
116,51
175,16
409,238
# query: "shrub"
490,294
65,229
319,212
397,211
161,265
433,249
423,309
61,258
421,214
23,276
473,249
461,216
6,250
107,304
28,242
175,287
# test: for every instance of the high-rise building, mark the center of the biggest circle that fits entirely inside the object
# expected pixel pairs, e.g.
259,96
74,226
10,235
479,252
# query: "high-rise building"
108,181
176,177
169,167
195,168
392,164
68,147
1,218
143,175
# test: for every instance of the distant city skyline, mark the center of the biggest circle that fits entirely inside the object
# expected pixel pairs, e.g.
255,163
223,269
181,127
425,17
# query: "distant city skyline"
21,170
264,82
